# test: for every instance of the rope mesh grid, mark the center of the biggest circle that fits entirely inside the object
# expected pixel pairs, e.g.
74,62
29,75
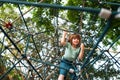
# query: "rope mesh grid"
40,66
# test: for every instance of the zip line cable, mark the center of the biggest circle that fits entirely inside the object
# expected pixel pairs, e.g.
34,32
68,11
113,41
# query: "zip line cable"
45,5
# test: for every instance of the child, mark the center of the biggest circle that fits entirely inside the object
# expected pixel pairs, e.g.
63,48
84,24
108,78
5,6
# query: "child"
74,49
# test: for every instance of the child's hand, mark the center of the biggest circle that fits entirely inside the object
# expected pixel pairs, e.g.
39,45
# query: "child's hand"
65,32
63,39
81,51
82,46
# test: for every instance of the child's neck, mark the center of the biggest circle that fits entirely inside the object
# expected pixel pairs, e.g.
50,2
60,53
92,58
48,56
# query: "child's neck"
74,46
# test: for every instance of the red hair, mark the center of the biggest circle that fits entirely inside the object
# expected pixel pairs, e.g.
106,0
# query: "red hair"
73,36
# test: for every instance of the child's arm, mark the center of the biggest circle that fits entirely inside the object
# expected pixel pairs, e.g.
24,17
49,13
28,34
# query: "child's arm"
81,54
63,40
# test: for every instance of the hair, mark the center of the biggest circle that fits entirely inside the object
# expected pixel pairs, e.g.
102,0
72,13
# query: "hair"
73,36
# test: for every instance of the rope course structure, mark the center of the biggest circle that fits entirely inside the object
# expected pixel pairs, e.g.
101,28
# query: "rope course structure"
27,52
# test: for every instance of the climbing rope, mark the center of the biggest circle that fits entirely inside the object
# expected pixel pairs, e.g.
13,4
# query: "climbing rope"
25,55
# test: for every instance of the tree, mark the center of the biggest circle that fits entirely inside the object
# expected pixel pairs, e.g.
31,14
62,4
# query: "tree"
37,36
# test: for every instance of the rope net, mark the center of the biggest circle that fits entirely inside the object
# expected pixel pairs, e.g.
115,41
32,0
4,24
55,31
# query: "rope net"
33,52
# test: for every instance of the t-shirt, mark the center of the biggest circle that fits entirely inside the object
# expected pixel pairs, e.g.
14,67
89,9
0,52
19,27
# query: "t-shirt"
71,53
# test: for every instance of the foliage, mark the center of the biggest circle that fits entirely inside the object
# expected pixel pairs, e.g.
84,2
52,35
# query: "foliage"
38,36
